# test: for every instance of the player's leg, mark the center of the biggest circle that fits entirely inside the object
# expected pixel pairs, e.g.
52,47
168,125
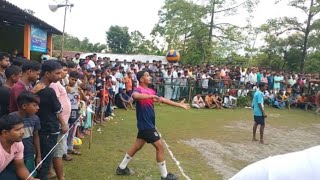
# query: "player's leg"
161,161
261,134
136,147
254,131
159,150
123,169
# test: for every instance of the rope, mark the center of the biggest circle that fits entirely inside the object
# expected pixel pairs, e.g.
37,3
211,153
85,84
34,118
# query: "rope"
53,148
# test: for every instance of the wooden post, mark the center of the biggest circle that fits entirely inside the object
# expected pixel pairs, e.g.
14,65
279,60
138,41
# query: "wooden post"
26,41
49,44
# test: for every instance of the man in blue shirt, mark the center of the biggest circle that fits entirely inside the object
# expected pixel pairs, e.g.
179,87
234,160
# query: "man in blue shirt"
258,111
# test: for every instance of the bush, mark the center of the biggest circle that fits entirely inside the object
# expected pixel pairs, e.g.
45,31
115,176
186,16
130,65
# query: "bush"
244,101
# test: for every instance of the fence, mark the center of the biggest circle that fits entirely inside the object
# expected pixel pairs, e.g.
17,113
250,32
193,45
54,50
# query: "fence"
183,88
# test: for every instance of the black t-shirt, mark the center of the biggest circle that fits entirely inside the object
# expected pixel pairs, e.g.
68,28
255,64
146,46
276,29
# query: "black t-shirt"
118,101
4,100
99,84
49,108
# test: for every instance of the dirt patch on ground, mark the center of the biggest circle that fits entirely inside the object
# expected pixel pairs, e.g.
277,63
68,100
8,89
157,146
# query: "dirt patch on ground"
221,156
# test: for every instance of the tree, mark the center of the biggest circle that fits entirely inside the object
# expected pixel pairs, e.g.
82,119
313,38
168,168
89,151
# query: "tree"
313,63
180,26
225,31
72,43
306,28
137,43
184,26
118,39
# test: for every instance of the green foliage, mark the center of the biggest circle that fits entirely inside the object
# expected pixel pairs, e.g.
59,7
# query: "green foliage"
244,101
305,32
191,28
313,62
118,39
140,45
74,44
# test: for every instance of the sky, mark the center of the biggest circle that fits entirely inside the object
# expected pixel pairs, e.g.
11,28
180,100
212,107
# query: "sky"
91,18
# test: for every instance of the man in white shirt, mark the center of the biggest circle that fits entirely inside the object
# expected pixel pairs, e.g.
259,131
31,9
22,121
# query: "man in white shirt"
197,102
91,63
76,58
125,65
115,83
205,80
242,76
253,78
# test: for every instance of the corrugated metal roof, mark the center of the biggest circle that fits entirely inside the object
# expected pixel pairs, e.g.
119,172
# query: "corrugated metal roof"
13,15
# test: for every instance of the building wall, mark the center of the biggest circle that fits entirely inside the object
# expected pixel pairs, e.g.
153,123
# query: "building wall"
11,37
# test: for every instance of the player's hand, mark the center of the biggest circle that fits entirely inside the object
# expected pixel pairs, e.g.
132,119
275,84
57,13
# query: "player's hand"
38,87
64,128
38,160
68,89
264,115
185,106
155,98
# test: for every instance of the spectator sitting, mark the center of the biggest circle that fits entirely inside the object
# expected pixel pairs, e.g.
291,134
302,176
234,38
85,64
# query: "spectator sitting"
289,90
279,103
301,101
209,101
269,97
242,92
197,102
122,100
229,101
218,100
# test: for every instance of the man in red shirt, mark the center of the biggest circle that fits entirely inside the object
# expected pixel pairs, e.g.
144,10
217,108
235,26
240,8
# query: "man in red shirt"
30,74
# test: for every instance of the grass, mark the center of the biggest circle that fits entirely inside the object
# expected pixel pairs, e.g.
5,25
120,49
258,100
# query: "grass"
175,125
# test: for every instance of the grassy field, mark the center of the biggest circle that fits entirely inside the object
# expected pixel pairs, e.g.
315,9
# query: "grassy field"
209,144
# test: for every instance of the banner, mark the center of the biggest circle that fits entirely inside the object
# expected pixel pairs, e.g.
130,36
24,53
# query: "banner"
38,40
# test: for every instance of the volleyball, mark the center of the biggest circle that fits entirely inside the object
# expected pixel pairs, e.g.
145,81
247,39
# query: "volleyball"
173,56
77,141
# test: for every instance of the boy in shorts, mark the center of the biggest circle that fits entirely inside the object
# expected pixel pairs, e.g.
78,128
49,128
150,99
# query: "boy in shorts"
258,111
147,133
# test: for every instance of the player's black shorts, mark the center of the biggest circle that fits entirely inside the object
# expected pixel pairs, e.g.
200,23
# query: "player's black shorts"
259,120
149,135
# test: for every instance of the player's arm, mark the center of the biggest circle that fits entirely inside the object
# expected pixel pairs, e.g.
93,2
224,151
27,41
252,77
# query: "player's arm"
21,169
172,103
36,141
260,101
123,100
261,108
139,96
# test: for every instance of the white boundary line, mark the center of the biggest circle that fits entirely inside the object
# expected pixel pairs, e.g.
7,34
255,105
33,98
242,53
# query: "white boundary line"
174,159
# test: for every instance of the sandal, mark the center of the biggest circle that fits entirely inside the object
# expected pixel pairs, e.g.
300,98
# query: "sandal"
67,157
51,176
74,152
